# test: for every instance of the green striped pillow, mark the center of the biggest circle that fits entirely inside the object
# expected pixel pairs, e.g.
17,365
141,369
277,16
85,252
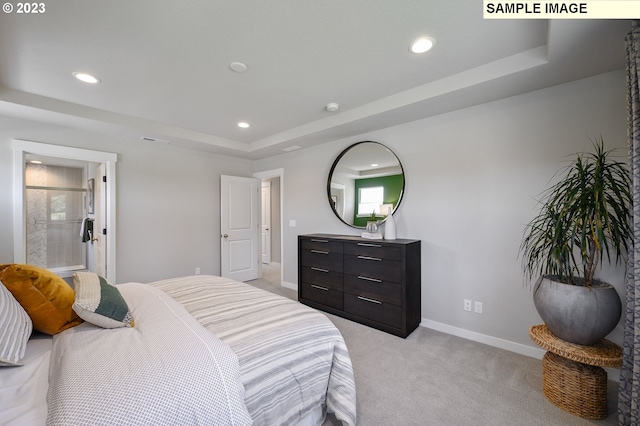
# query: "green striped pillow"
99,302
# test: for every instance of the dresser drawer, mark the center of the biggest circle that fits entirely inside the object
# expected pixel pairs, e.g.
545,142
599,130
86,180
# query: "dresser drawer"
374,282
322,245
331,262
366,306
322,277
373,267
373,249
384,291
322,294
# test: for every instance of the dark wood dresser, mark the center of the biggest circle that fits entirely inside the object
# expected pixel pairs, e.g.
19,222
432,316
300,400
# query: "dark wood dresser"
373,282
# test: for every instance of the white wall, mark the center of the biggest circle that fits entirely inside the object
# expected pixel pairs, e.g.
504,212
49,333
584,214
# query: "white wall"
471,181
168,208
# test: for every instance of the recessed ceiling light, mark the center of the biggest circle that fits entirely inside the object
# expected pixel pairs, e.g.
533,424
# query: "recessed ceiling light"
35,162
237,67
374,165
422,45
243,125
87,78
332,107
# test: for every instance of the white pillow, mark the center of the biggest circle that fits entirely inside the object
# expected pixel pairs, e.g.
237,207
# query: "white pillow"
15,329
99,302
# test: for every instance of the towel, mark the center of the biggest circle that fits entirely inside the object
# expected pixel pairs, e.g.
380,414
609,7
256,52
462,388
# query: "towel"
86,229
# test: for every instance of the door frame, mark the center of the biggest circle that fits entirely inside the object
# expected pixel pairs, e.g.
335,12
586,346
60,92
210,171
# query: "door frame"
99,216
271,174
265,209
20,149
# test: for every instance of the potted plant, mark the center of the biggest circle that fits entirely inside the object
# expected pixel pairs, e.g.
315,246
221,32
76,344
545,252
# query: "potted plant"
372,223
582,217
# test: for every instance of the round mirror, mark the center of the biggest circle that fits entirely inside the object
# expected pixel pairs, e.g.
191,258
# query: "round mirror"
366,178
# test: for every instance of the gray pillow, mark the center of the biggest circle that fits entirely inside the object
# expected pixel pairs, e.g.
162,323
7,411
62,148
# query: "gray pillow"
15,329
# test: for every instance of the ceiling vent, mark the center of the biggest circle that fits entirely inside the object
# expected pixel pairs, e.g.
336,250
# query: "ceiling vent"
148,139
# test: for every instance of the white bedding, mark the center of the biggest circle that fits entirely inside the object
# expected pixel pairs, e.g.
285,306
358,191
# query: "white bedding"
167,370
23,390
294,364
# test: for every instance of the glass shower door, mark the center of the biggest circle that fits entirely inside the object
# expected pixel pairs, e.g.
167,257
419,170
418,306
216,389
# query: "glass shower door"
55,208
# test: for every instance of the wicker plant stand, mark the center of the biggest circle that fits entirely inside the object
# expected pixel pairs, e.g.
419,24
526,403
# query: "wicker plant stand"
572,375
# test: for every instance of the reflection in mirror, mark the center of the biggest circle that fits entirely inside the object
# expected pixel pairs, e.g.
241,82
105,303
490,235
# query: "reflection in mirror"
364,177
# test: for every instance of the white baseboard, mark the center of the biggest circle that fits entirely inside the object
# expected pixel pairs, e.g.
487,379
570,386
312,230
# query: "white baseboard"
290,285
612,373
483,338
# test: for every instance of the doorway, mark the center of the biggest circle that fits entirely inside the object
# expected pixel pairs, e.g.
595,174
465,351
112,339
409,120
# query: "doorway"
265,222
56,201
274,180
53,198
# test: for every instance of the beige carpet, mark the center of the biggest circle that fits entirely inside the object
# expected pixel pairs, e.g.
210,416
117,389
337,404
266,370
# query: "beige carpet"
432,378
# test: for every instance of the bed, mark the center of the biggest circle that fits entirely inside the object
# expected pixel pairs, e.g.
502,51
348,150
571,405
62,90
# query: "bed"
203,350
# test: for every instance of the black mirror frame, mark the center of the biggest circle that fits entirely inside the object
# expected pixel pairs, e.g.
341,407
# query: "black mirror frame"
335,163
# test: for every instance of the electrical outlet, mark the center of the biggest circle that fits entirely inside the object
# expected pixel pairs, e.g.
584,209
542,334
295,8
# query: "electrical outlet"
467,305
478,307
198,270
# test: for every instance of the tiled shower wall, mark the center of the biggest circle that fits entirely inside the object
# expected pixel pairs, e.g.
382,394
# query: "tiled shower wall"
36,175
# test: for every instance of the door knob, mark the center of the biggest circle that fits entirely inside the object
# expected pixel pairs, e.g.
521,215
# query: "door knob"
266,229
225,235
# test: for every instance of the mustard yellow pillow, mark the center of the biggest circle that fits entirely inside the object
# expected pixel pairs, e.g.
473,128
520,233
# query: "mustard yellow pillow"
46,297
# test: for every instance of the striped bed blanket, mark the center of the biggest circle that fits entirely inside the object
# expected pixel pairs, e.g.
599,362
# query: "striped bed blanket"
294,363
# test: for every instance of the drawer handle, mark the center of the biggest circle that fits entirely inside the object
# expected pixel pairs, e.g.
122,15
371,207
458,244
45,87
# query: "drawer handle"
366,299
319,241
313,268
375,280
369,245
319,288
319,252
370,258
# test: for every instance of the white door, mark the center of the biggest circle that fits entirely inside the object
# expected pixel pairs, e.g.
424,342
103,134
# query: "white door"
100,240
239,214
266,222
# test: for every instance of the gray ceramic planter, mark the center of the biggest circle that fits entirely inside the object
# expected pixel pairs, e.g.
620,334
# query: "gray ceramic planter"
575,313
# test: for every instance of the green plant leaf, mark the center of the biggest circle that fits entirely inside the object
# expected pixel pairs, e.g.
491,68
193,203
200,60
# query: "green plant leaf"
582,217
